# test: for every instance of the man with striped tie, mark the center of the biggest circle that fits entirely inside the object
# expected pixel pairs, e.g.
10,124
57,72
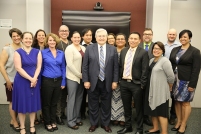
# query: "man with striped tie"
100,76
133,74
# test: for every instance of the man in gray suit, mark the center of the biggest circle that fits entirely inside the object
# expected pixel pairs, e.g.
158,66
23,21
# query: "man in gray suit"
100,76
147,45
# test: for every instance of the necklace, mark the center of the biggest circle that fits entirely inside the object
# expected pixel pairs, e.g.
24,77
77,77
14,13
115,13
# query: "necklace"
27,52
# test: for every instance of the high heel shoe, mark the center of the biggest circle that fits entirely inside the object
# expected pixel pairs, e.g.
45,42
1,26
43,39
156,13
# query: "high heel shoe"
34,131
22,129
178,132
175,129
54,126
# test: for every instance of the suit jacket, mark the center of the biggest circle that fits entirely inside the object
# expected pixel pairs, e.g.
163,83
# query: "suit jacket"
91,67
139,67
150,49
188,65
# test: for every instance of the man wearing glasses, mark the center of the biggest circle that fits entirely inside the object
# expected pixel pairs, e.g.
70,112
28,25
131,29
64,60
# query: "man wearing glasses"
147,45
61,105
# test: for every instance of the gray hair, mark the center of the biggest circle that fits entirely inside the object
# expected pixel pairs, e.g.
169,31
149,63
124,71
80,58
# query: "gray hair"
100,30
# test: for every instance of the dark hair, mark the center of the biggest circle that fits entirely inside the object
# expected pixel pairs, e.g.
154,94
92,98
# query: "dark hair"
185,31
135,33
11,31
86,30
148,29
112,35
121,34
161,45
22,36
35,41
75,33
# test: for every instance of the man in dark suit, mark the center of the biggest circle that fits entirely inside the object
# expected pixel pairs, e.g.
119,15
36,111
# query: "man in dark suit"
133,78
147,45
100,76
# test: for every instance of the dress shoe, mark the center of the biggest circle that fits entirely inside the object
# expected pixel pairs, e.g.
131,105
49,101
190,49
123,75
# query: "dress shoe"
93,128
147,122
79,123
155,132
49,128
63,116
54,126
178,132
125,130
137,132
107,129
59,121
17,129
34,131
74,127
175,129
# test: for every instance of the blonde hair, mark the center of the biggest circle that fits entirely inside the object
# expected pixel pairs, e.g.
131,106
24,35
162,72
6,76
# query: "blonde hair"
54,36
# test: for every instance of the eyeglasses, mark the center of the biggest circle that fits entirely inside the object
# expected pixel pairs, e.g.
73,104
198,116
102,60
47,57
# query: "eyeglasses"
157,49
66,31
147,34
120,39
110,38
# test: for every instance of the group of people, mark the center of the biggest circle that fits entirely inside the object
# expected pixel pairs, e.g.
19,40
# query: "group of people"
40,71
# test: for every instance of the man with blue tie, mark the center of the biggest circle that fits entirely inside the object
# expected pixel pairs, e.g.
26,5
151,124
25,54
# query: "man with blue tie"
147,45
100,76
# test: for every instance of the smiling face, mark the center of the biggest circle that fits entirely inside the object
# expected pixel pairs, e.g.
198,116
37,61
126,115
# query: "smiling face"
27,39
147,36
134,40
51,42
101,37
16,38
41,37
120,41
63,32
157,51
111,40
87,37
184,39
172,35
76,39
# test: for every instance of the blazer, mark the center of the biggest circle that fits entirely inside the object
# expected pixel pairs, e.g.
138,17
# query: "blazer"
188,65
150,49
73,63
139,67
91,67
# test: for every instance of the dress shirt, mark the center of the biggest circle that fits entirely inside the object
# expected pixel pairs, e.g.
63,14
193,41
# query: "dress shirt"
104,50
85,44
168,48
126,57
146,44
54,67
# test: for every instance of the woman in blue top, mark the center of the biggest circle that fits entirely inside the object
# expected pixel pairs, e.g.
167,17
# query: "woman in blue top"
53,80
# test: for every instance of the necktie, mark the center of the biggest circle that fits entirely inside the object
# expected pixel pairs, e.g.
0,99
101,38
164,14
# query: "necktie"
146,47
128,63
102,65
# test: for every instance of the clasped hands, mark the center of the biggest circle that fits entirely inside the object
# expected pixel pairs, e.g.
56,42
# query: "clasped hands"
87,85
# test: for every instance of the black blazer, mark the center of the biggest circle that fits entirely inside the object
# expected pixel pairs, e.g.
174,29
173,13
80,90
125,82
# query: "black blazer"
91,67
188,65
139,68
150,49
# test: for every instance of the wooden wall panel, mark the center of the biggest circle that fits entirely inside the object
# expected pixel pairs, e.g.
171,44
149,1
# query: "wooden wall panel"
136,7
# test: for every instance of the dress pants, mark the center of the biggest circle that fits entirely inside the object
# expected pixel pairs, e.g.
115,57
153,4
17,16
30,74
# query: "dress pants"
75,94
50,92
61,105
94,107
129,90
83,106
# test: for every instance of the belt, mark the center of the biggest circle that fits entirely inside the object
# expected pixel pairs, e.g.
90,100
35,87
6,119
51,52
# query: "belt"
53,79
127,80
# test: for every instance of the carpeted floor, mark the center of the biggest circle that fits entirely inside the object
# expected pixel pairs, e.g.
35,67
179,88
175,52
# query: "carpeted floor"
194,125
